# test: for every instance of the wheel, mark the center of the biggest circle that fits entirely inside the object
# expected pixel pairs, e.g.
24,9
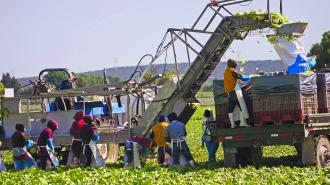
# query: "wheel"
322,151
256,156
244,155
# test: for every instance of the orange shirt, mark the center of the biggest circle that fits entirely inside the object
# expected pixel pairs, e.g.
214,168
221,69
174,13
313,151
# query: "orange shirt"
159,133
229,80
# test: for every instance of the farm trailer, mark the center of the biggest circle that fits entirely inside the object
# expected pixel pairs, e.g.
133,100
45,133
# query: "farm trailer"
311,140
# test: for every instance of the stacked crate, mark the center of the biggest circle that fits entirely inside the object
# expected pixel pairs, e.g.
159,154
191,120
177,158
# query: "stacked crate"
323,92
221,103
283,99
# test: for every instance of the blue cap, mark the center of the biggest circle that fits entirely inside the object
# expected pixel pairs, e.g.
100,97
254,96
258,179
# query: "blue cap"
162,118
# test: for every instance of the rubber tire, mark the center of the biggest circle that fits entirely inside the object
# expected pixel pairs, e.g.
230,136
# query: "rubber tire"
321,144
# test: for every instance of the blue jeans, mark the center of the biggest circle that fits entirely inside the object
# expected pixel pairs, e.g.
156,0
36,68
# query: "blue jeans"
212,148
181,147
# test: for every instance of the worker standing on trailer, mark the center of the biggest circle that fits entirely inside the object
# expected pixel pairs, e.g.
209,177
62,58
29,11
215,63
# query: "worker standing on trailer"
176,133
211,143
90,138
230,81
77,144
46,149
158,137
22,158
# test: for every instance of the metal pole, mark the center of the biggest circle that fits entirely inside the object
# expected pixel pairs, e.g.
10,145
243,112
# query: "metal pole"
84,105
188,55
29,118
281,7
129,115
176,62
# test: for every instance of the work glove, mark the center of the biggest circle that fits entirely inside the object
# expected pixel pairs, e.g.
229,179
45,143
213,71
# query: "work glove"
96,137
245,78
28,143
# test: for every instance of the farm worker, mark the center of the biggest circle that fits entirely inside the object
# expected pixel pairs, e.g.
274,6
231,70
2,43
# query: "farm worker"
90,138
46,147
301,65
230,80
176,133
77,144
136,150
22,158
158,137
211,143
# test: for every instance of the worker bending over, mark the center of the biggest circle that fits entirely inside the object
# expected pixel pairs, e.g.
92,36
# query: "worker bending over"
90,138
158,137
46,149
77,144
230,81
22,158
176,133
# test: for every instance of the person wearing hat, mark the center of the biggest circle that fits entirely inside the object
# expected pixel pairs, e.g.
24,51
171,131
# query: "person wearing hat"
176,133
22,158
211,143
77,144
158,137
90,138
230,81
46,146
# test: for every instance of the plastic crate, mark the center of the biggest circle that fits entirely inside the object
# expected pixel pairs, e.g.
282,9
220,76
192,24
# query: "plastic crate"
283,109
323,92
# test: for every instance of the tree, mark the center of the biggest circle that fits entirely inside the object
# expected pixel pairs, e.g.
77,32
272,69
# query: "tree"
88,80
315,50
10,82
28,91
322,51
56,77
2,89
113,79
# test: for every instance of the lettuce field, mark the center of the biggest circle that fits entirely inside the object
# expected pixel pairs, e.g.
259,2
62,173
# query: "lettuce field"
278,167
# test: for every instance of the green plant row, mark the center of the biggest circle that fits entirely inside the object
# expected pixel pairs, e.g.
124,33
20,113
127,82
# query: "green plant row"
278,167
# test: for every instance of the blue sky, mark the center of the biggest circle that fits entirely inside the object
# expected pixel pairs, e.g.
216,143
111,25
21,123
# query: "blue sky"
88,35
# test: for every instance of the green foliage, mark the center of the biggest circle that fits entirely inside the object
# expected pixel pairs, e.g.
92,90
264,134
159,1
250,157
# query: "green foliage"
56,77
322,51
28,91
277,168
89,80
259,15
113,79
2,89
315,50
10,81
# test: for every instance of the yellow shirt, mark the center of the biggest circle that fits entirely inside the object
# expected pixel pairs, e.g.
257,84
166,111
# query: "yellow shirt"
229,80
159,133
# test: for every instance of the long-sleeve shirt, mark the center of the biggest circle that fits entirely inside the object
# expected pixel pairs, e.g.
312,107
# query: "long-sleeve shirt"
230,79
176,130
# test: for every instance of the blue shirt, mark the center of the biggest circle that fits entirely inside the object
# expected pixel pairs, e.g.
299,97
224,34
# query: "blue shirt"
176,130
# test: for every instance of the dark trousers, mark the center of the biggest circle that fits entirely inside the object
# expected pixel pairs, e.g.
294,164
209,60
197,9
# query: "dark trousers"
77,147
44,162
212,148
161,153
233,101
181,147
88,154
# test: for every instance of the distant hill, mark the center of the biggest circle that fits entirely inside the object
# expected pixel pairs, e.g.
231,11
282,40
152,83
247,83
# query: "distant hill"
125,72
